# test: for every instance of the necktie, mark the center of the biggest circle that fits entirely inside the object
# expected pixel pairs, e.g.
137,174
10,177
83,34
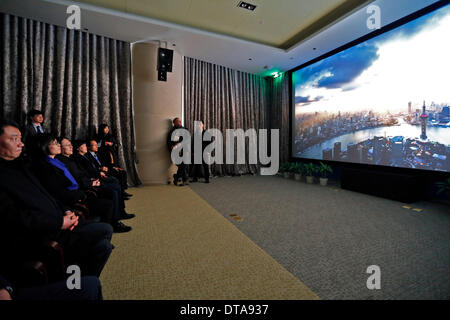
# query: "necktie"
39,129
95,156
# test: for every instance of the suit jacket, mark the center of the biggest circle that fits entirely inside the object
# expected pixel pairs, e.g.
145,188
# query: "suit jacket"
56,183
40,211
83,161
29,131
78,172
170,143
29,138
28,213
94,162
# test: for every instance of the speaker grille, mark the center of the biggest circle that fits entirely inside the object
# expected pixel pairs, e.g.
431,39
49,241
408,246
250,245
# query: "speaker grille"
165,57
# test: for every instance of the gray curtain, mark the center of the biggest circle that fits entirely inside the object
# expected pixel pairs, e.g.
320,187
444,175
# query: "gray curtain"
279,110
225,99
79,81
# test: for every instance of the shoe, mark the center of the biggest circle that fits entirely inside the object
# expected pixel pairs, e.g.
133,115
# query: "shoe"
113,246
126,194
175,179
126,198
119,227
125,216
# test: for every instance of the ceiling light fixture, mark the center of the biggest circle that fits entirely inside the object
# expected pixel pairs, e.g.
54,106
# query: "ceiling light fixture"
246,5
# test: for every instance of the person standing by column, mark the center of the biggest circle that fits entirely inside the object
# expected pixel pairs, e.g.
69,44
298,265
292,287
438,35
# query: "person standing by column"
198,168
171,144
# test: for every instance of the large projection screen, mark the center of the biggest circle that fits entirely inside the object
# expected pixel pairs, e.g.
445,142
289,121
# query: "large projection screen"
384,101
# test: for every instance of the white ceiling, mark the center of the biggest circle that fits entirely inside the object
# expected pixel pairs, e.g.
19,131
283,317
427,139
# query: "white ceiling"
208,46
275,23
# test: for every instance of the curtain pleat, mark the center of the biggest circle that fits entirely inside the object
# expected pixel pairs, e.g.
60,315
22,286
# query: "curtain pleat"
279,112
78,80
225,99
228,99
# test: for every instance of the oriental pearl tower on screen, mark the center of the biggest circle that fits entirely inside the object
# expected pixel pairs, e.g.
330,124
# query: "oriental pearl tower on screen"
424,119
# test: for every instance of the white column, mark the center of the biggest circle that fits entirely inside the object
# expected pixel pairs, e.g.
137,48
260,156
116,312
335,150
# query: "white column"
156,103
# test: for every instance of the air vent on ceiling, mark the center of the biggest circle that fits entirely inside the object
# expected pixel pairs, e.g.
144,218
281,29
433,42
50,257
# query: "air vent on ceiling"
246,5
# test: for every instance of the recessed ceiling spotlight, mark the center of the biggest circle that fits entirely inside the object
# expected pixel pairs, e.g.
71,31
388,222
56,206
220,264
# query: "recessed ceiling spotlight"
250,59
246,5
314,48
173,44
291,58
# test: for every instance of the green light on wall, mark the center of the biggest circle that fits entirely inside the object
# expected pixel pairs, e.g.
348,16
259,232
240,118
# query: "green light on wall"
275,74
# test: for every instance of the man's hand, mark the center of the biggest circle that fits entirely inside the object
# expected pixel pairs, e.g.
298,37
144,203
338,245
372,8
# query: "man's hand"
105,169
4,295
70,221
109,143
96,183
103,175
117,169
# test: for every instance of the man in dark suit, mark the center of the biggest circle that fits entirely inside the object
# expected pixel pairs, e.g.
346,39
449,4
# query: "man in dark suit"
35,124
29,214
172,144
198,168
31,130
105,165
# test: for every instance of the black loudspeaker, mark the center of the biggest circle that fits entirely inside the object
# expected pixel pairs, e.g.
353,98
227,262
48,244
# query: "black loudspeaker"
165,57
162,75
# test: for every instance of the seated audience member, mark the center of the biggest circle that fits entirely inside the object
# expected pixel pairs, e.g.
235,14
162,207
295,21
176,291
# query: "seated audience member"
107,151
94,172
103,166
91,289
60,183
90,184
85,159
30,215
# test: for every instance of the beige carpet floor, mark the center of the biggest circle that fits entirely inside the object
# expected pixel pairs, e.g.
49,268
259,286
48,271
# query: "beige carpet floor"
182,248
